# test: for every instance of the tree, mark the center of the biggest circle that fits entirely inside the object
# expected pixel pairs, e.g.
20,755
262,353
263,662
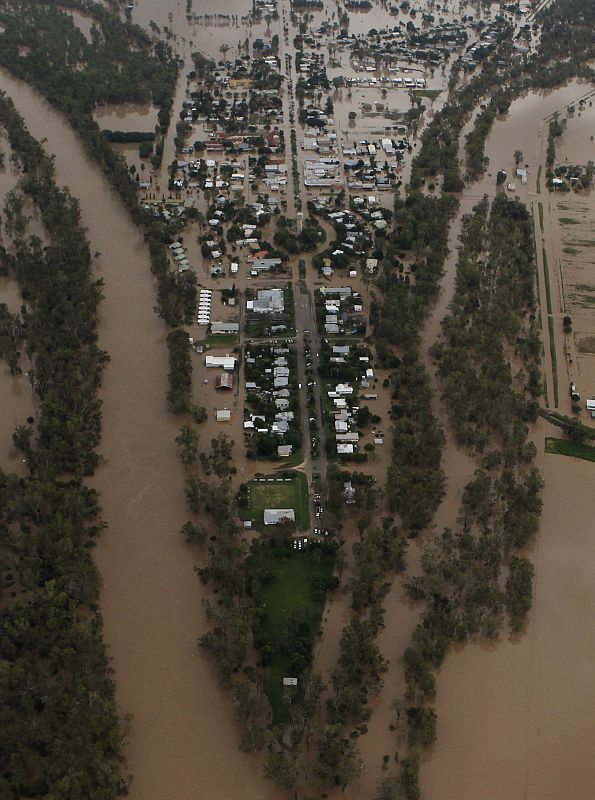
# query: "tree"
338,761
410,776
254,712
518,157
388,789
187,441
281,767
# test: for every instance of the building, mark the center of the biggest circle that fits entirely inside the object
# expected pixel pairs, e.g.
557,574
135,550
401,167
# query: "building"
221,362
220,328
223,415
268,301
224,381
284,450
273,516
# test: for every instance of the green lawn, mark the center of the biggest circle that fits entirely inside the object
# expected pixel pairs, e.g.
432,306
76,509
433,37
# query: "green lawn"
566,447
290,590
214,339
431,94
554,359
278,492
546,275
539,179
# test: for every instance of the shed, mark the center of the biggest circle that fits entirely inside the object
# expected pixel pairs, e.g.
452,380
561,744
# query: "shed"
224,381
272,516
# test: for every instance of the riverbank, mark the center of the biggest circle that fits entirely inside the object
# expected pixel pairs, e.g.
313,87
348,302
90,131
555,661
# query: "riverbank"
182,724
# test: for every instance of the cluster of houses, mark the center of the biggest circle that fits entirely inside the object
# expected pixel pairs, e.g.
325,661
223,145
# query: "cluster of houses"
346,435
383,82
343,365
180,256
340,311
271,426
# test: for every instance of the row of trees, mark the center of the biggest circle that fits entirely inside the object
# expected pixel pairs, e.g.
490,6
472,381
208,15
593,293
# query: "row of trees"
415,479
472,577
59,729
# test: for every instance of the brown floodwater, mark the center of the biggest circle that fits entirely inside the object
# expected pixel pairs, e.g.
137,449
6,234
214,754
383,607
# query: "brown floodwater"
515,720
183,735
127,117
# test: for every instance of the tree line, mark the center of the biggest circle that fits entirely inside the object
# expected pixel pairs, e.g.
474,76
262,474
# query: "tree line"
474,582
60,734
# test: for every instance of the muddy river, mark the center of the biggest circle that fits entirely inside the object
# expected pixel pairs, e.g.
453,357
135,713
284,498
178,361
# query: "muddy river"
183,737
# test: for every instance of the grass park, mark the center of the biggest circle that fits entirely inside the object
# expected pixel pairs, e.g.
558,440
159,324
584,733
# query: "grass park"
285,490
293,591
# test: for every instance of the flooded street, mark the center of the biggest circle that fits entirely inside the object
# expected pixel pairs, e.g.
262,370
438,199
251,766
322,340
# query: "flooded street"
183,737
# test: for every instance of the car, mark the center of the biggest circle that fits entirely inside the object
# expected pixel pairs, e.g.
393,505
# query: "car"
299,385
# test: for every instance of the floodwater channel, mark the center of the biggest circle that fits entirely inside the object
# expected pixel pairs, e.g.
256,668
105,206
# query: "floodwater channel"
183,736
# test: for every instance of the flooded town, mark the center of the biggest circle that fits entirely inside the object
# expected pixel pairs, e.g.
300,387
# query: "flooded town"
298,377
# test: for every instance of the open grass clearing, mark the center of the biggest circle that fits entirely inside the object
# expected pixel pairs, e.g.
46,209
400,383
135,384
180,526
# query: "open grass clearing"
293,589
224,339
284,490
565,447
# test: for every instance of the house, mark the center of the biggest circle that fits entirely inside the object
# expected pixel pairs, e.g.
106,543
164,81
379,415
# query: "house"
265,264
221,362
290,681
273,516
222,328
344,449
223,415
284,450
224,381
